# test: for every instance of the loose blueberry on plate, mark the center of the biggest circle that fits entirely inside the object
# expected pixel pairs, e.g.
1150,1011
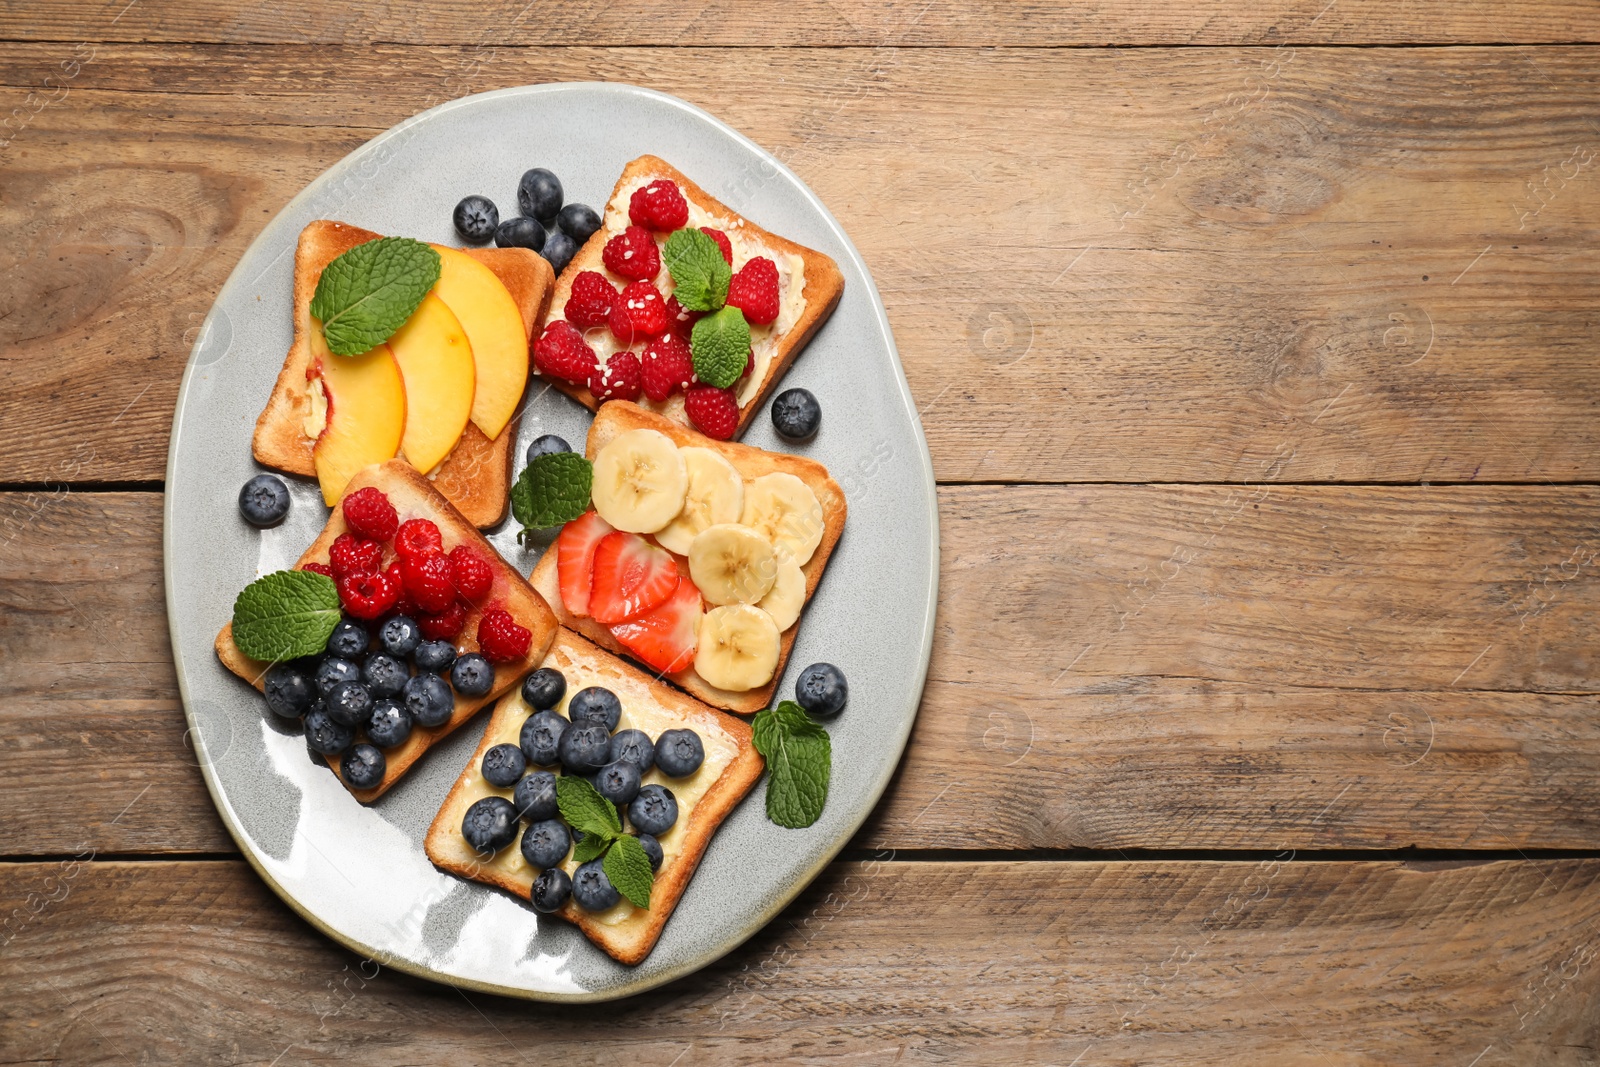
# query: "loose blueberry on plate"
618,782
796,414
541,736
400,636
363,766
264,500
583,748
544,688
384,674
592,889
539,194
434,656
559,250
547,445
471,675
325,735
679,753
821,690
389,724
578,221
596,704
546,843
490,825
335,670
349,703
535,796
289,690
476,218
652,849
551,890
428,700
635,747
654,810
348,640
519,232
503,765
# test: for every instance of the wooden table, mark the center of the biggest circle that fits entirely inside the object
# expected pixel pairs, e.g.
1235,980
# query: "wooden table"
1258,358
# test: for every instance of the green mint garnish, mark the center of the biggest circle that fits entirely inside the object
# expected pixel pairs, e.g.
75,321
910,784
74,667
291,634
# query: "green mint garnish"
699,273
551,490
720,345
585,809
369,292
628,868
625,862
285,615
799,756
592,847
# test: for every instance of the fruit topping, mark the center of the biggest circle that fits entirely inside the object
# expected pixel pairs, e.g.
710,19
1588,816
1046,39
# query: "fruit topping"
712,411
738,647
334,671
326,736
732,564
639,481
490,825
535,796
435,654
632,254
471,573
665,637
620,379
363,766
400,636
544,688
658,206
349,639
784,510
539,194
666,367
654,810
754,290
367,596
591,300
631,576
384,675
679,753
545,844
559,250
723,243
264,500
632,746
472,675
578,221
541,736
547,445
796,414
638,314
428,700
550,890
318,568
715,495
652,851
503,765
349,703
595,706
575,559
787,597
561,352
445,625
369,514
350,554
289,690
591,889
428,581
501,638
680,319
821,690
475,219
389,724
618,782
521,232
583,748
418,537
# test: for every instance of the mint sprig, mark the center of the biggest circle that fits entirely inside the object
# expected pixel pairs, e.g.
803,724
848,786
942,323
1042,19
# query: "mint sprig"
369,292
700,275
799,757
628,869
585,809
551,490
625,863
720,345
285,615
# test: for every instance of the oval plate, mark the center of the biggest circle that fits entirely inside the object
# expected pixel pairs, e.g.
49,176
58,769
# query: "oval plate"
359,873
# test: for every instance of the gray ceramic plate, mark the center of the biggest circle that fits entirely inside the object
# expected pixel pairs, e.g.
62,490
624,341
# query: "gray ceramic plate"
359,873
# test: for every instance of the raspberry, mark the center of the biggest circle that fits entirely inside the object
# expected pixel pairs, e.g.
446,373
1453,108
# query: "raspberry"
712,411
471,573
754,290
445,625
369,514
619,379
562,352
366,596
428,582
639,313
722,242
319,568
500,639
633,254
667,367
658,206
749,365
418,537
591,300
350,554
680,319
402,603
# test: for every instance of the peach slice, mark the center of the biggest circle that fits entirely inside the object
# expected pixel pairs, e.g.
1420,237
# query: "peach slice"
435,360
494,328
364,415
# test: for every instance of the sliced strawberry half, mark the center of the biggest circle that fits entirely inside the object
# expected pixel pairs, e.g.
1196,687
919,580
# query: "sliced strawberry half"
631,576
575,558
665,637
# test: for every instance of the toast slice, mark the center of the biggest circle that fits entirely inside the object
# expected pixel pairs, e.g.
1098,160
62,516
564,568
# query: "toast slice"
476,475
809,285
619,416
705,798
413,496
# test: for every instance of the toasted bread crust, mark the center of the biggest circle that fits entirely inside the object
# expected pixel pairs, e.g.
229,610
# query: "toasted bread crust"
823,282
476,476
415,497
619,416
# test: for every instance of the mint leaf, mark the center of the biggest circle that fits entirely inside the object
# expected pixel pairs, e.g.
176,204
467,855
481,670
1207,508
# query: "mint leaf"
591,847
369,292
799,758
628,868
720,345
285,615
551,490
700,275
584,808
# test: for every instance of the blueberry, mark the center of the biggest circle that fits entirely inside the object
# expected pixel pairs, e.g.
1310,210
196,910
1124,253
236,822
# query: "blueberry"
289,691
635,747
334,670
654,810
544,688
546,843
595,704
652,849
490,824
618,782
325,735
583,748
264,500
535,796
551,890
471,675
349,639
547,445
539,194
476,218
400,636
541,736
592,889
796,414
389,724
363,766
503,765
519,233
384,674
578,221
559,250
821,690
428,700
349,703
434,656
679,753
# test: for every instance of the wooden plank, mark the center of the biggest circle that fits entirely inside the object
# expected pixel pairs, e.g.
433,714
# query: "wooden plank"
1114,667
1196,262
1020,963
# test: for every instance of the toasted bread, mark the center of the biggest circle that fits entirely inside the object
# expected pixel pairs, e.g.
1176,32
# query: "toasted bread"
413,496
775,345
619,416
705,798
476,475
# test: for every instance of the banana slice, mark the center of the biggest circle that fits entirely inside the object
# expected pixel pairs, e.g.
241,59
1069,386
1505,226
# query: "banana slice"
639,481
784,510
787,596
738,647
716,494
732,564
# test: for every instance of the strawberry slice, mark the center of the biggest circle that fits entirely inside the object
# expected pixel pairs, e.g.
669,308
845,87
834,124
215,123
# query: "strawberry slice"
575,558
631,576
666,637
